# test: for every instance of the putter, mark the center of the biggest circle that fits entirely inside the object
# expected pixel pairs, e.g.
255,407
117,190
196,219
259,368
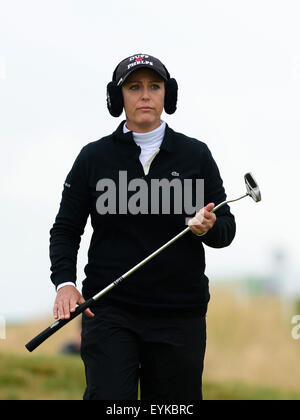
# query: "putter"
252,191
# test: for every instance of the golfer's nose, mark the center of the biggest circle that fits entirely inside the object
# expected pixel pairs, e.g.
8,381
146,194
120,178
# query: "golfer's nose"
145,93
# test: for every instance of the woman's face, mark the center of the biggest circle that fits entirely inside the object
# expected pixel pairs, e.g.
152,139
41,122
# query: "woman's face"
144,95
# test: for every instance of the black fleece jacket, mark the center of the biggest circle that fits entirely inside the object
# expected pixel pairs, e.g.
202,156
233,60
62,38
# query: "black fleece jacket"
175,279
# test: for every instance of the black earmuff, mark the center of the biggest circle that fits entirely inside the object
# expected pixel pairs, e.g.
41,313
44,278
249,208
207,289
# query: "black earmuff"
171,95
114,97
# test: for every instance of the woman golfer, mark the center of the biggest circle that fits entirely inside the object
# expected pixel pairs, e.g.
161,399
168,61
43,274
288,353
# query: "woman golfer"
140,186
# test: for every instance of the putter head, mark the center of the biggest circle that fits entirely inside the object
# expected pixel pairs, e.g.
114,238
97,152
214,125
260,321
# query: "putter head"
252,187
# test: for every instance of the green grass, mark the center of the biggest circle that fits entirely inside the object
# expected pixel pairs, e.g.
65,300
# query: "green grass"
231,390
44,377
41,377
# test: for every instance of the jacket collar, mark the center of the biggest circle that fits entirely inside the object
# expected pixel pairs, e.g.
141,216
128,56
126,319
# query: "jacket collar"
126,141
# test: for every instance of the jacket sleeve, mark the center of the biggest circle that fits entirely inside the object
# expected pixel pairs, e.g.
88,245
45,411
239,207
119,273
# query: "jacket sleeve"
223,231
70,222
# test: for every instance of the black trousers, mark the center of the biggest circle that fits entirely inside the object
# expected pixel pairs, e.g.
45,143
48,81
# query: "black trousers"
164,350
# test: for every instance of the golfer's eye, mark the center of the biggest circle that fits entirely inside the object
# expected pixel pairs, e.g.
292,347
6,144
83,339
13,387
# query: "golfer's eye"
134,87
155,87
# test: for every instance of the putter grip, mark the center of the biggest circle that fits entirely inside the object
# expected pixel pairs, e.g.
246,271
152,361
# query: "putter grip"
40,338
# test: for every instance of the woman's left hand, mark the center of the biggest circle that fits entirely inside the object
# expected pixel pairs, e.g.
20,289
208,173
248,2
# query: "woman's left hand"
203,221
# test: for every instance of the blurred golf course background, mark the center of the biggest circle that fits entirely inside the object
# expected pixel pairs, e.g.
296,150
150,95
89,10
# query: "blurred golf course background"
251,354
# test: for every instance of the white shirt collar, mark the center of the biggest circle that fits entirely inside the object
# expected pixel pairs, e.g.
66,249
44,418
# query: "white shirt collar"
149,139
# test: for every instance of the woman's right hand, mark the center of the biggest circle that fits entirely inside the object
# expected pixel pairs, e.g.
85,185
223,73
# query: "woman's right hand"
66,300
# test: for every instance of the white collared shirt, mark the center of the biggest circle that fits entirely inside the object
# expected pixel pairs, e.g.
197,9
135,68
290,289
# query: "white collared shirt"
149,143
